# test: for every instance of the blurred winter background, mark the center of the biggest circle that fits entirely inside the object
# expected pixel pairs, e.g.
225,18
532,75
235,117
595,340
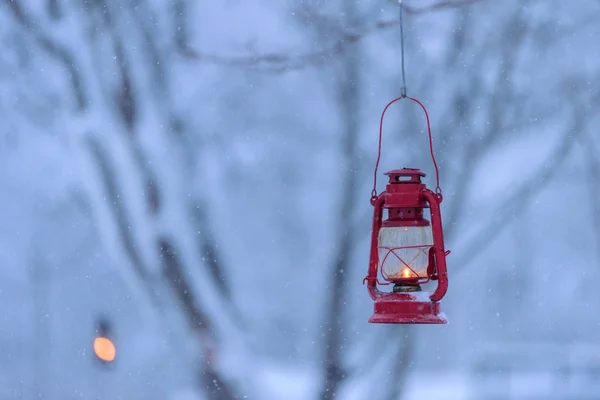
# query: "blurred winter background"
196,174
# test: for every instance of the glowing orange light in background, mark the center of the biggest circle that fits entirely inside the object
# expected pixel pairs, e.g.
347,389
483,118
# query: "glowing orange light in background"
104,349
406,273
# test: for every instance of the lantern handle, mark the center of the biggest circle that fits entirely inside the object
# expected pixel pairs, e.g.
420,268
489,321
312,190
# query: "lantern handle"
438,190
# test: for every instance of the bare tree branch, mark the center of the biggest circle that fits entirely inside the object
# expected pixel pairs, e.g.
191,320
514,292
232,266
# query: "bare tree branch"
279,62
181,34
214,386
213,383
477,149
442,5
53,49
54,9
175,277
210,253
209,250
146,19
593,163
115,199
512,207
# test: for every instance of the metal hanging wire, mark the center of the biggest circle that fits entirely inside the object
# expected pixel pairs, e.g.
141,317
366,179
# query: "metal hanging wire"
403,89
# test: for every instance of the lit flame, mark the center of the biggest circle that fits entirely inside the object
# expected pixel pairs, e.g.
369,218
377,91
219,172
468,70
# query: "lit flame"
104,349
406,273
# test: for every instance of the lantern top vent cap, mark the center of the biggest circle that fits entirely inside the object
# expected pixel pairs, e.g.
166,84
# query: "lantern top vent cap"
405,175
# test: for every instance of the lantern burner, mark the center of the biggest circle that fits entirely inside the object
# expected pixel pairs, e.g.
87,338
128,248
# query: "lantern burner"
404,287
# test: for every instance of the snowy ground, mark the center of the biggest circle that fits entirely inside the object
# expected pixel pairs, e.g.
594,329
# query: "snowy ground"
299,384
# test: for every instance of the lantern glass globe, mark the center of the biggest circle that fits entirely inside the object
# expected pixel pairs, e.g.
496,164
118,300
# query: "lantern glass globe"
404,251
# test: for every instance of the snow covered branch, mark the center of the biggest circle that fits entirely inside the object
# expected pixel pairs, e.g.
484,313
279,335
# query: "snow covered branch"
442,5
348,97
277,62
478,148
53,48
593,171
513,205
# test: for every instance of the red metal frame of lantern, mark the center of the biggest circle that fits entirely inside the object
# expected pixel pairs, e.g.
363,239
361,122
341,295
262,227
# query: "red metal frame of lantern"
405,198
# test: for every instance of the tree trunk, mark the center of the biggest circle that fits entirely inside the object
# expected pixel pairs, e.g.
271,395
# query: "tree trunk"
335,338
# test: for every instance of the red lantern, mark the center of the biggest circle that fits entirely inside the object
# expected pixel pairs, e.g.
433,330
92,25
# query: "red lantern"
407,249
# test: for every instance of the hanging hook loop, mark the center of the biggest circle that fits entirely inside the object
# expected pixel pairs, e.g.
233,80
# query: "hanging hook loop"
373,197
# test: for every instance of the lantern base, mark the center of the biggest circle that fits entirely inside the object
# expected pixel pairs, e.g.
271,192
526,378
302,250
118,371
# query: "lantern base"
407,308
